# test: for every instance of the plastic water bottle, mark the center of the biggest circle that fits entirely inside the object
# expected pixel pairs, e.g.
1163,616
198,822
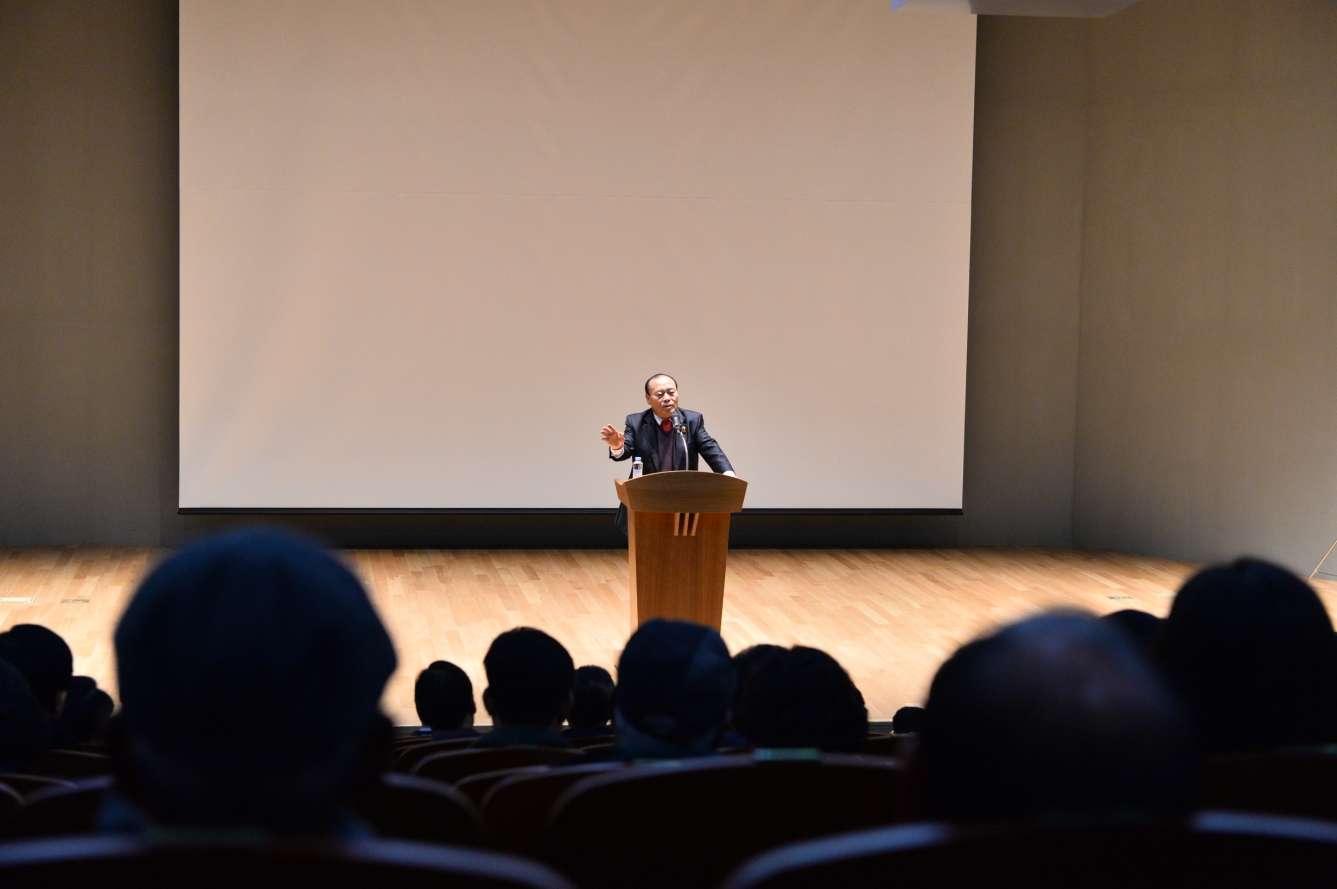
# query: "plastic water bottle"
637,467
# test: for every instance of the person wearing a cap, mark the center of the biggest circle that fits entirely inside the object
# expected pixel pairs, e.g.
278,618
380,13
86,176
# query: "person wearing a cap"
675,684
251,667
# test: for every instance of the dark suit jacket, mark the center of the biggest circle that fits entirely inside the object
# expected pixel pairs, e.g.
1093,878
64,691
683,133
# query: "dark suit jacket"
643,441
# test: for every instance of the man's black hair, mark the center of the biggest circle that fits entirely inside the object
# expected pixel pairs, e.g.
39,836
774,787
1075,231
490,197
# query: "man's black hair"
1250,649
592,698
43,658
25,731
802,698
443,696
908,720
529,675
1055,716
655,377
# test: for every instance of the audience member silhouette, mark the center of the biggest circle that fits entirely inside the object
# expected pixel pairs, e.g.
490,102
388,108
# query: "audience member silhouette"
528,694
591,704
25,730
45,660
1252,638
251,667
743,664
1140,626
908,720
675,686
801,697
87,710
1054,717
444,699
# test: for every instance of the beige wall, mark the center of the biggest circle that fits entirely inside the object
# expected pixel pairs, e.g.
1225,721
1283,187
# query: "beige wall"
1154,272
87,268
1207,408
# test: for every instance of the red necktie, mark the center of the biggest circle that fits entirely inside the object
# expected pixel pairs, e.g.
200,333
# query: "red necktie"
666,425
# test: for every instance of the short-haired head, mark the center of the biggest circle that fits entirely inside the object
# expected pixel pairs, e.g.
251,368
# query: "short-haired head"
251,667
591,698
651,380
1139,626
87,710
1252,638
1057,715
908,720
25,730
802,698
444,697
43,658
529,675
675,683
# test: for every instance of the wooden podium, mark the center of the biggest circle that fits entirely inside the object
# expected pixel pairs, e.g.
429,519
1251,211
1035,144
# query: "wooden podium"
678,543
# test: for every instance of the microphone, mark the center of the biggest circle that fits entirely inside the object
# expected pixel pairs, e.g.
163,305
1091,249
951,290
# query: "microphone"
679,428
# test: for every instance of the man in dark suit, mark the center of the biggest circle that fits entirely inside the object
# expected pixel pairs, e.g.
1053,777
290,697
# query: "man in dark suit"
665,437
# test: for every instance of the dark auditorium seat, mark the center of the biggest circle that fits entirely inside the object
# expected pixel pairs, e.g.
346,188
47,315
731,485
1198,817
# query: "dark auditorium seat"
60,811
1214,850
682,823
72,764
476,787
516,809
457,765
1301,783
26,785
409,808
591,741
410,755
10,802
106,862
889,745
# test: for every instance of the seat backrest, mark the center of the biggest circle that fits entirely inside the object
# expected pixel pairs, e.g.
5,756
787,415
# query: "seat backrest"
72,764
1214,850
409,808
516,808
476,787
457,765
697,820
1302,783
25,785
10,802
889,745
410,755
106,862
591,741
60,811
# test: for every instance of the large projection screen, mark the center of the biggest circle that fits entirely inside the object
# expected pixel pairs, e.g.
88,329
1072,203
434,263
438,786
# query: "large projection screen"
430,247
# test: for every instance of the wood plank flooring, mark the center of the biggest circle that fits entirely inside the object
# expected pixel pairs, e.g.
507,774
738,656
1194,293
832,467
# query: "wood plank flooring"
889,616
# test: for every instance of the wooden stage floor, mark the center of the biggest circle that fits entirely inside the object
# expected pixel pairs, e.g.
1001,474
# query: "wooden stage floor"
889,616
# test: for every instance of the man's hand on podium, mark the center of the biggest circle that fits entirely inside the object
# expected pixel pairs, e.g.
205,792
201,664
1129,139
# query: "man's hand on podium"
612,437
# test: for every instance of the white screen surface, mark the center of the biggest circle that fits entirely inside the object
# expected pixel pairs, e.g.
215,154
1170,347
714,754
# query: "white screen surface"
429,248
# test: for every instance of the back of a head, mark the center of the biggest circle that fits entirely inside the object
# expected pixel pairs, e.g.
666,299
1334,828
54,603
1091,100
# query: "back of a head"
25,730
908,720
87,710
591,698
43,658
1250,649
1139,626
802,698
675,683
443,696
251,667
1051,717
529,676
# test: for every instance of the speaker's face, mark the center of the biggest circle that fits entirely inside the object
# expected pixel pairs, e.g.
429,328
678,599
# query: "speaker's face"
663,397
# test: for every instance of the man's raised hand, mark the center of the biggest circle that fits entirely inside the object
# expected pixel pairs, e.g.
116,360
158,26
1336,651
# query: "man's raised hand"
612,437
